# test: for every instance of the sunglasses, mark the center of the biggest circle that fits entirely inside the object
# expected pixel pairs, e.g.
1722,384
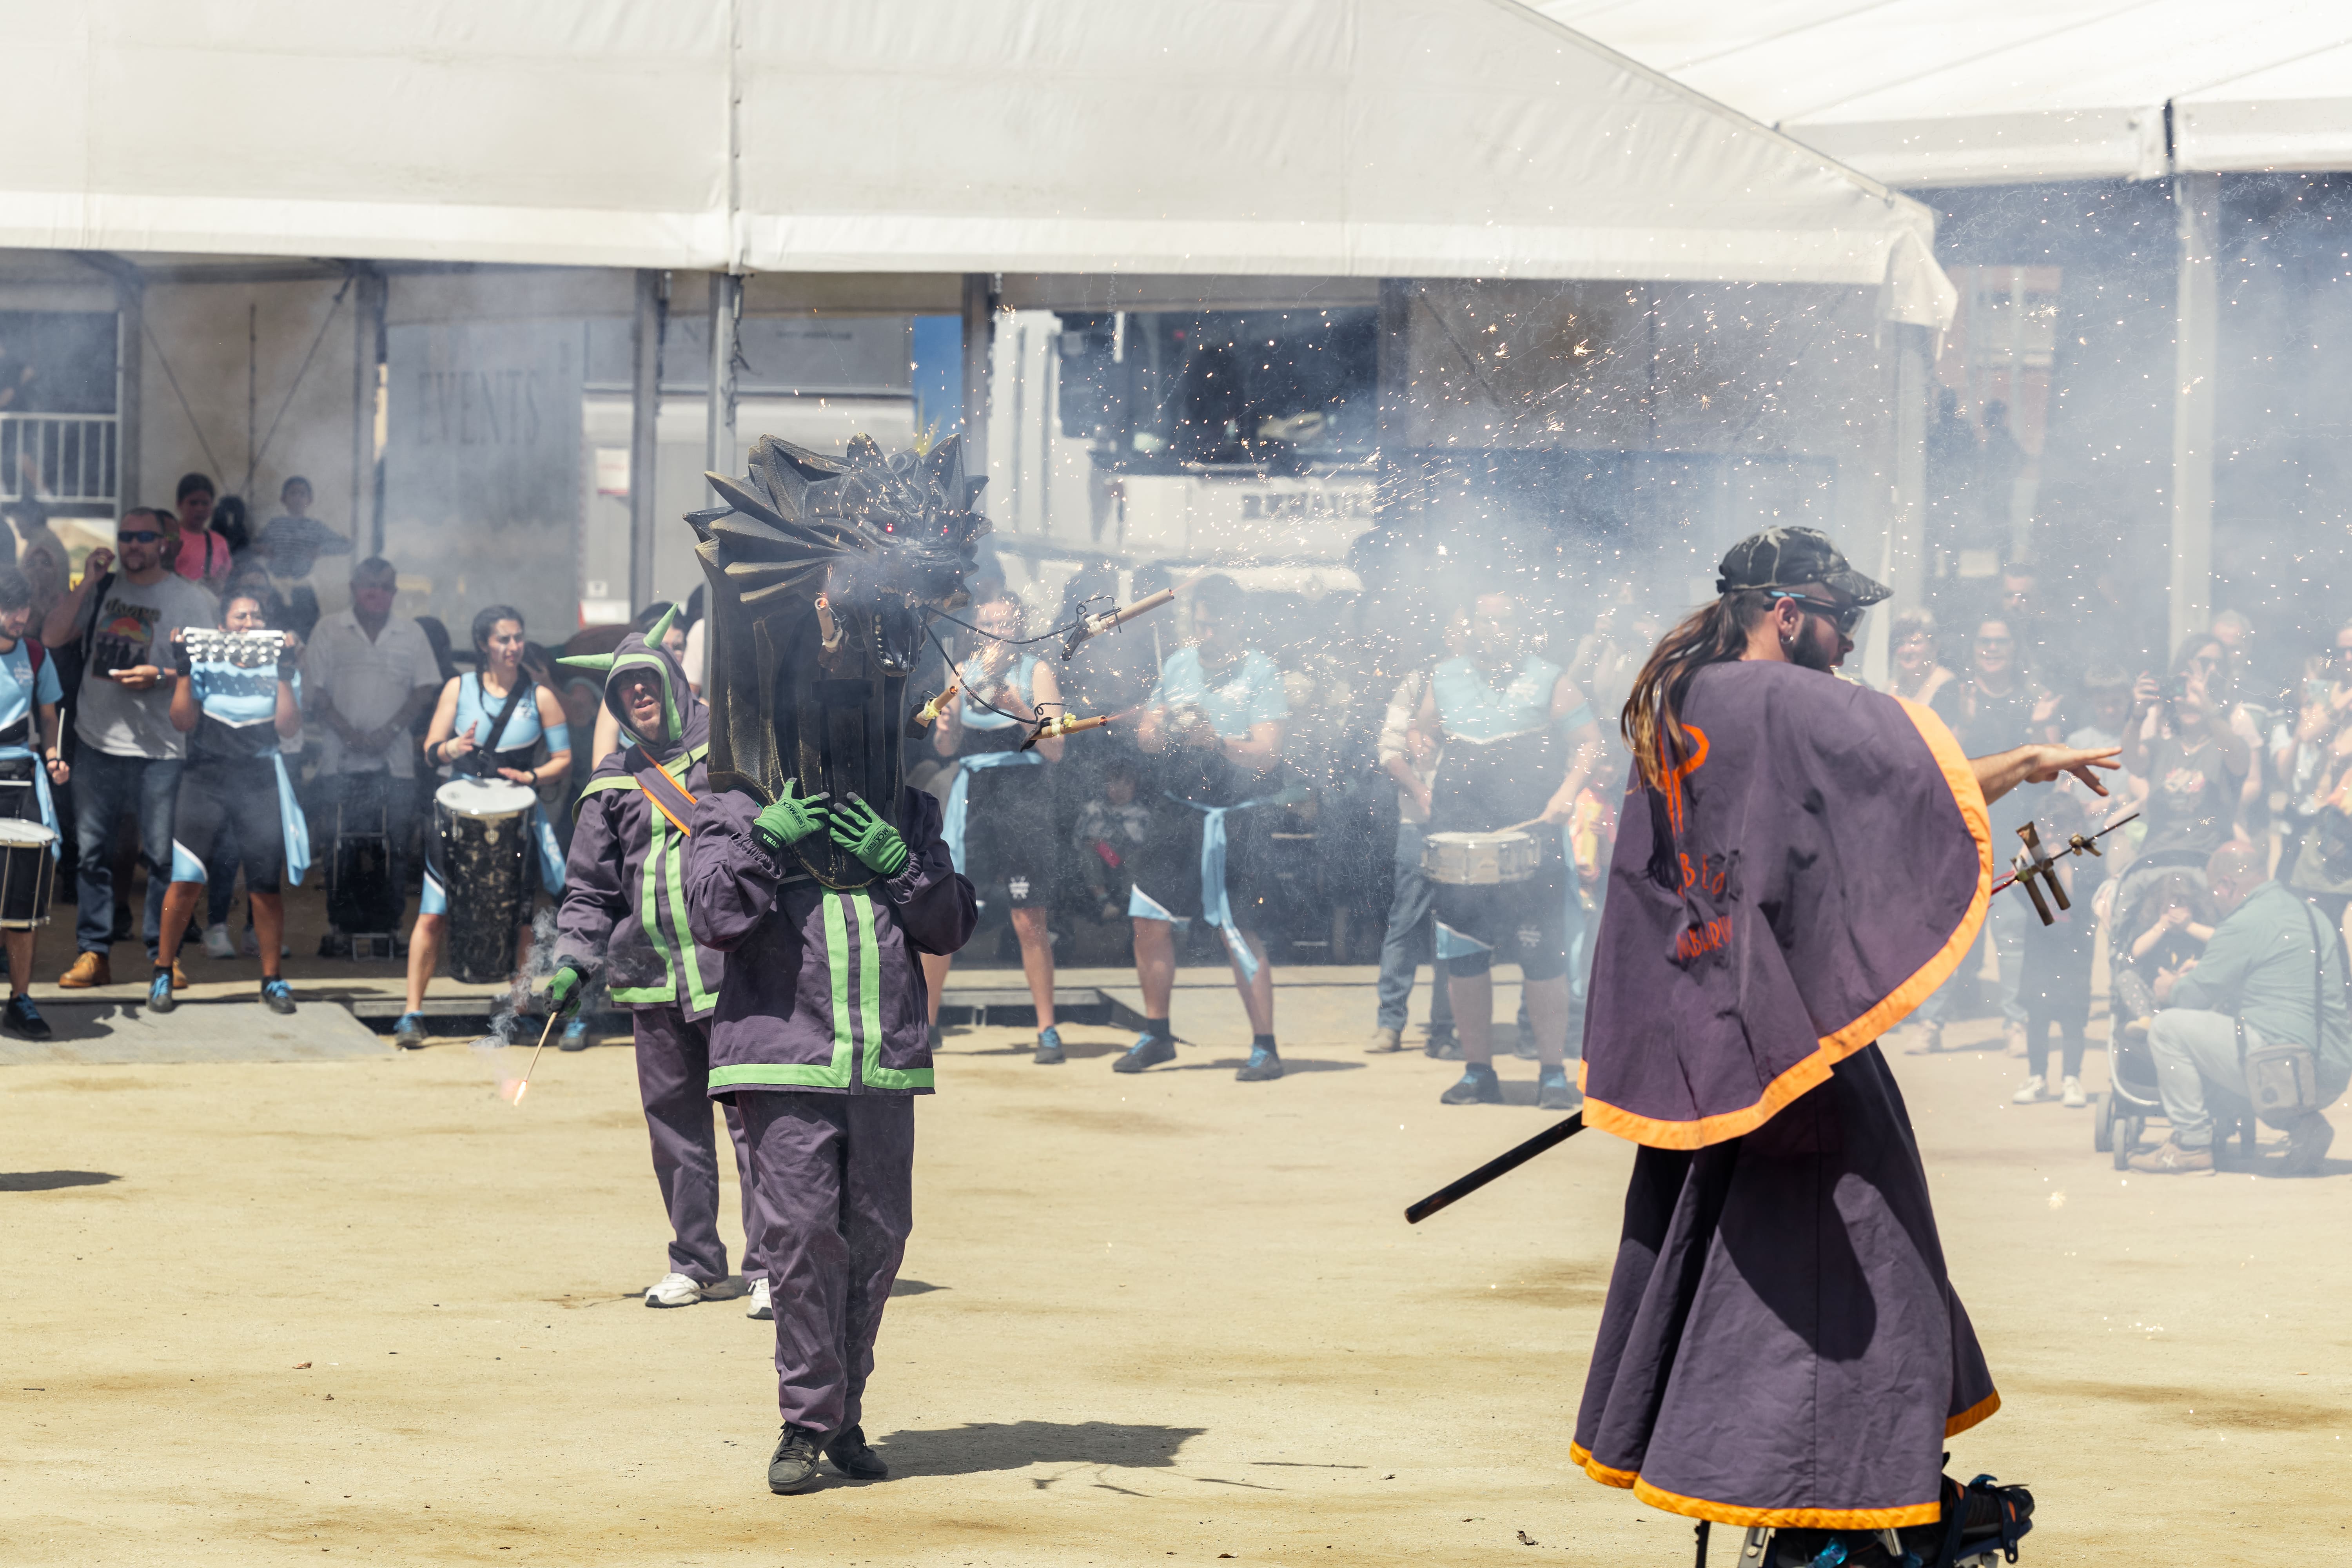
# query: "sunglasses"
137,536
1844,617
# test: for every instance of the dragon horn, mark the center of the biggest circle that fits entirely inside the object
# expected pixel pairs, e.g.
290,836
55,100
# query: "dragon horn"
602,663
661,628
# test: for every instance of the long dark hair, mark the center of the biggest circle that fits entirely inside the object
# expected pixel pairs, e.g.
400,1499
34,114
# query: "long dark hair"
1652,722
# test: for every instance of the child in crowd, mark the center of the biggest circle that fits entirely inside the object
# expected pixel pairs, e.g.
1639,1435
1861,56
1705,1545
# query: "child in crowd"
1111,829
2168,926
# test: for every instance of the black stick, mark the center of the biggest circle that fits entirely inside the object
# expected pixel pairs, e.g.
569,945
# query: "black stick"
1500,1165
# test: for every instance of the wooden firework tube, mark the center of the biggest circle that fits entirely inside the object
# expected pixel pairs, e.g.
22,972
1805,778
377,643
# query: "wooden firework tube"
937,705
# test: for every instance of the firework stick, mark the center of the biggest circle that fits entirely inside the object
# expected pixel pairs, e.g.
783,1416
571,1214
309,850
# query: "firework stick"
524,1088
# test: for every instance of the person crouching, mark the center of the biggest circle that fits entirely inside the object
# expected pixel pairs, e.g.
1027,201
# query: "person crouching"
236,700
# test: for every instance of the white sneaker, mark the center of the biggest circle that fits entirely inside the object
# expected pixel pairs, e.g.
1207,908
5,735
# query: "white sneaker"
249,944
763,1306
2073,1097
216,942
673,1291
2032,1089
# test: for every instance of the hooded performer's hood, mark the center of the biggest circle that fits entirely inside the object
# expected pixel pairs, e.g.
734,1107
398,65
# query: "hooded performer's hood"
685,722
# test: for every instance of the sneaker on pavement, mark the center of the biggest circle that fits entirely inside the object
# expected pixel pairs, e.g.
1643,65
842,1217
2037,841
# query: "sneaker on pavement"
2031,1090
408,1032
216,942
1149,1050
277,995
2170,1159
1931,1039
159,993
2306,1146
793,1467
1554,1092
25,1019
763,1306
1263,1067
1049,1048
88,969
2071,1094
1477,1086
1385,1040
334,944
2014,1034
1443,1048
576,1035
673,1289
853,1458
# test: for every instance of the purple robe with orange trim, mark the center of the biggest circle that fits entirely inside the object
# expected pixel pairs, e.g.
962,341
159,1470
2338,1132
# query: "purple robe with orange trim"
1781,1345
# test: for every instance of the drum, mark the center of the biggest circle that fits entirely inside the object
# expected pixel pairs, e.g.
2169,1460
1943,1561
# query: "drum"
484,826
1478,859
28,875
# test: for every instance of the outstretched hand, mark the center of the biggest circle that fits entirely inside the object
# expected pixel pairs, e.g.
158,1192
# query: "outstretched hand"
2049,761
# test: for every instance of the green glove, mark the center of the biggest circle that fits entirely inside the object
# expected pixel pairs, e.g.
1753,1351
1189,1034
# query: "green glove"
567,990
858,830
792,817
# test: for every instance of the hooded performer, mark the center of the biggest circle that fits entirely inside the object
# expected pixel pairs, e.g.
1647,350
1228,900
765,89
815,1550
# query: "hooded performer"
1800,862
623,920
823,878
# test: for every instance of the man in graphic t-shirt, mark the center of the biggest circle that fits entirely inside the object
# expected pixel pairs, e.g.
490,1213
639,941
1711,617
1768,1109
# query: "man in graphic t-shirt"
130,753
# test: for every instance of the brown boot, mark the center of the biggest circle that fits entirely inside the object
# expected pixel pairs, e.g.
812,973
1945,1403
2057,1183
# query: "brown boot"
2172,1159
2306,1148
88,969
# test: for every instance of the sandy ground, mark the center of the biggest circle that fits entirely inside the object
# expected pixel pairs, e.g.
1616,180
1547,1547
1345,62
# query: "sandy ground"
262,1313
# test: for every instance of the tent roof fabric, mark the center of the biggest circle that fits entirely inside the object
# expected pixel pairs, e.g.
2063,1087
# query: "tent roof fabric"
1926,92
1337,138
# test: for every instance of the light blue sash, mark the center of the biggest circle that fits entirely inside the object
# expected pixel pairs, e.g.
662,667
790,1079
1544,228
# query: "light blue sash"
959,807
1216,909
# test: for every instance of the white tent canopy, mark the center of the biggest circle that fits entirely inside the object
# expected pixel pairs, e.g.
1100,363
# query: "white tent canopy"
1333,138
1926,92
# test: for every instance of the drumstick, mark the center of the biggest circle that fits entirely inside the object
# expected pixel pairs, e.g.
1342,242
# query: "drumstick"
524,1088
1516,826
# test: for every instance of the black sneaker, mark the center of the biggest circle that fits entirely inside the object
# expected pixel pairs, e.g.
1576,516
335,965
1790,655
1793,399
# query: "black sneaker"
1554,1092
1477,1086
334,944
1263,1067
277,995
1049,1055
159,993
1149,1052
793,1467
2306,1147
25,1019
1443,1048
853,1458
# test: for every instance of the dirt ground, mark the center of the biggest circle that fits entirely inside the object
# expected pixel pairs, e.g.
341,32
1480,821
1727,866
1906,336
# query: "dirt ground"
262,1313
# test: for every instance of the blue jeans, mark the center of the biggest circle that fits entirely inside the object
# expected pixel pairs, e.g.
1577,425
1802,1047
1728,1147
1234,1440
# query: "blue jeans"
105,787
1406,943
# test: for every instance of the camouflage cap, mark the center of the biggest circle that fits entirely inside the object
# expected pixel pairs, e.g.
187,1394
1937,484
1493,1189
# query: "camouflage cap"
1784,560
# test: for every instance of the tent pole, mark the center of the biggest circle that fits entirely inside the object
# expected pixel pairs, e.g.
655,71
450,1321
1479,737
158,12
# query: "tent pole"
726,310
2196,206
130,305
979,338
368,300
644,408
1906,524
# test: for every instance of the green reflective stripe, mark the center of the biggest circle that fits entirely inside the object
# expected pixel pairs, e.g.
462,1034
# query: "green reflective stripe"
786,1077
623,782
698,999
648,921
870,1007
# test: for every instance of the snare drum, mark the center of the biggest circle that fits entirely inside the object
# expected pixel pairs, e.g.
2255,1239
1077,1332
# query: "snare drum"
484,830
1478,859
28,875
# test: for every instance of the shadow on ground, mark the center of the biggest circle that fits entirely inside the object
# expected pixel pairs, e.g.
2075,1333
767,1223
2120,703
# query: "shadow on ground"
50,1181
983,1446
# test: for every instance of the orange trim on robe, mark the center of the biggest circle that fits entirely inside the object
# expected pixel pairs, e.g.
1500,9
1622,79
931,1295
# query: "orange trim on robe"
1974,1415
1814,1071
1791,1518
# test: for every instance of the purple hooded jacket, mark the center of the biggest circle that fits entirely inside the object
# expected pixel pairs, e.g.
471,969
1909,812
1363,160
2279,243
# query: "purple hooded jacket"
824,993
623,913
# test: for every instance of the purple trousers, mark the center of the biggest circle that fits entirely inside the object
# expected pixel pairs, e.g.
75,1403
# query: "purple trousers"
674,1080
835,1176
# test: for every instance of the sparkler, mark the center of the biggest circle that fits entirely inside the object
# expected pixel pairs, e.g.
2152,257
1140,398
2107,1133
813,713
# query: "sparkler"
1111,620
1054,728
524,1086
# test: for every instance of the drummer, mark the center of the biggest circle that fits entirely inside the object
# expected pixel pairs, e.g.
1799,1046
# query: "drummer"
238,706
491,724
1003,790
29,694
1216,725
1519,742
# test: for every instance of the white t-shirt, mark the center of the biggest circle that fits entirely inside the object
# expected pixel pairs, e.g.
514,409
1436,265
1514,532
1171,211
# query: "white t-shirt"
367,680
134,626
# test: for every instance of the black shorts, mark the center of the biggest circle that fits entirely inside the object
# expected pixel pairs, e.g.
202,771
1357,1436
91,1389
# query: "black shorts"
241,794
1167,865
1524,923
1009,841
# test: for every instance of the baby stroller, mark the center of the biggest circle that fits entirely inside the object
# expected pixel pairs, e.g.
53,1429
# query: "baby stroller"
2120,1115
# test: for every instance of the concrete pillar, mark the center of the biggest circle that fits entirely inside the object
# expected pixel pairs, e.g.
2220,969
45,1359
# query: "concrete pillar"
1903,562
726,315
978,336
645,409
368,298
2196,207
131,336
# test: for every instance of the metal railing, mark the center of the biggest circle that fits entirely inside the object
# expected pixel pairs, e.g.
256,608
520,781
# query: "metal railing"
70,458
